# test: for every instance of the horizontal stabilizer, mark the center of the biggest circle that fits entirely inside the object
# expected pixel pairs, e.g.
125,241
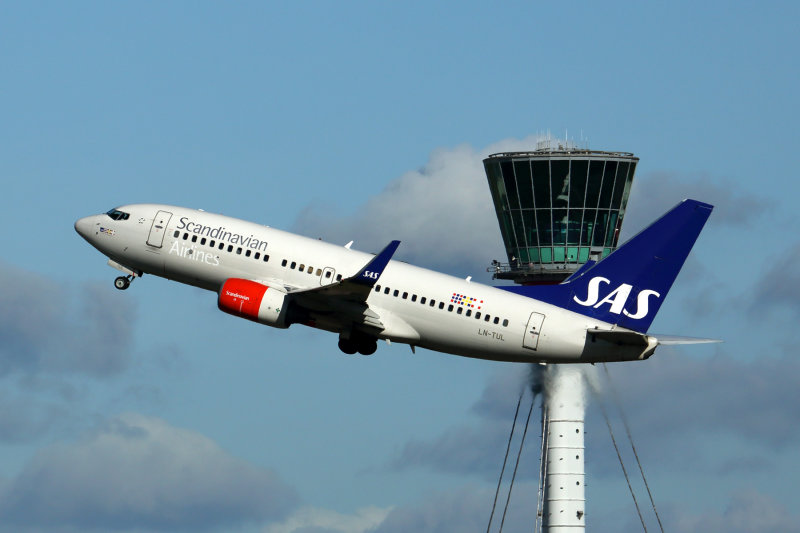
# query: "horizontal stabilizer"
620,337
666,340
643,344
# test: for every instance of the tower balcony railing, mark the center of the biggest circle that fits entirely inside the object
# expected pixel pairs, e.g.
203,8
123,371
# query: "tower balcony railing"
532,272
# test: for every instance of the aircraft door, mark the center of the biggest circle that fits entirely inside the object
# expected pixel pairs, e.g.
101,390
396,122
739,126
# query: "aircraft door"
531,339
328,276
159,227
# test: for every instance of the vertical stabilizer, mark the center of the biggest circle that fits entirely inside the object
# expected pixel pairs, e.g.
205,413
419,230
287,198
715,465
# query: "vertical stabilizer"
628,287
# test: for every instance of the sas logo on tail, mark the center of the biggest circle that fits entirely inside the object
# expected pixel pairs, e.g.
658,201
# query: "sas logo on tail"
617,298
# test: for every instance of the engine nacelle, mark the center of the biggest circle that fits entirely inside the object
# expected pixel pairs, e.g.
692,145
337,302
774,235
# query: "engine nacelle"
254,301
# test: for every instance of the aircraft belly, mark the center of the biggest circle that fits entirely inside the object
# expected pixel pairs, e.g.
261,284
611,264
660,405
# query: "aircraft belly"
474,339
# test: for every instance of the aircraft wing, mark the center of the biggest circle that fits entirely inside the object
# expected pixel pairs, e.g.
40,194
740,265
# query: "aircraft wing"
348,297
355,288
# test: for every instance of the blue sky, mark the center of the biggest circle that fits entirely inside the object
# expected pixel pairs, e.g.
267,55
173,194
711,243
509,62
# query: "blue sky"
151,411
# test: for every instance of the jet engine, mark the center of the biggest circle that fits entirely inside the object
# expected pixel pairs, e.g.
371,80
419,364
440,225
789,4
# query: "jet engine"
254,301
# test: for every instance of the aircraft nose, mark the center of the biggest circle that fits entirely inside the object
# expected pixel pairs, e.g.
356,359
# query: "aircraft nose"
84,226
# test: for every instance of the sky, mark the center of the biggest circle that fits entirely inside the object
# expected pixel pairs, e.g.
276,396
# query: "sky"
150,411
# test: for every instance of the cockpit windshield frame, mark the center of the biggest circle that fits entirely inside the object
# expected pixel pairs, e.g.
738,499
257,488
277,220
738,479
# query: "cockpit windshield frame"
116,214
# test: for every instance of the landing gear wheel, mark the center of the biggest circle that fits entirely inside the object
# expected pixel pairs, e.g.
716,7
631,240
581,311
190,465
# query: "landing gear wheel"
368,347
347,346
122,283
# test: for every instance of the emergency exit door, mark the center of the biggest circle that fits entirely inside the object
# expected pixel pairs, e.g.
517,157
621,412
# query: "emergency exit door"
531,339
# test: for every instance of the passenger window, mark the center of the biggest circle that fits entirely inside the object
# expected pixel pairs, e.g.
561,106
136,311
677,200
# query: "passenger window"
302,267
176,234
496,320
338,277
413,297
310,269
239,251
422,300
247,253
460,310
257,256
230,248
433,302
283,263
266,258
396,293
469,312
505,322
213,243
405,295
293,265
487,318
185,236
441,305
194,238
450,308
221,245
478,314
327,273
319,272
202,241
386,290
377,288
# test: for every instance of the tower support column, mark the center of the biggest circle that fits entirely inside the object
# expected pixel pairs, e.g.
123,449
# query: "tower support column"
562,426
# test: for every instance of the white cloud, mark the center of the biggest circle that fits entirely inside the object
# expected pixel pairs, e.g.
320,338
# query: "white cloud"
442,212
316,519
747,512
45,330
26,416
464,509
778,288
138,473
750,402
655,193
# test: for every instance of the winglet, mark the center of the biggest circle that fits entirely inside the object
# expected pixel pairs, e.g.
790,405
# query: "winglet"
373,270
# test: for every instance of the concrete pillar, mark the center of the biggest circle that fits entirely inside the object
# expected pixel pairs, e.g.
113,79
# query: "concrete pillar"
564,499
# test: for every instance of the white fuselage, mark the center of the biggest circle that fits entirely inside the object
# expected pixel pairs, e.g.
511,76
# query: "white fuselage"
416,306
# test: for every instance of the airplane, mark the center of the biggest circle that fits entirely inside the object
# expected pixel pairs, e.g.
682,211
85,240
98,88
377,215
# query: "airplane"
600,314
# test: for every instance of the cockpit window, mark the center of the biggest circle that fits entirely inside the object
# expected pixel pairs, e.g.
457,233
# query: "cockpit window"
116,214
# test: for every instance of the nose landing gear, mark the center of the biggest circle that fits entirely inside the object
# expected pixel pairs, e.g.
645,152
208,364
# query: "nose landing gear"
123,282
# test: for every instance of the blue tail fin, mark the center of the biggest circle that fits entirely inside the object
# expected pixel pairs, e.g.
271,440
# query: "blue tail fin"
628,287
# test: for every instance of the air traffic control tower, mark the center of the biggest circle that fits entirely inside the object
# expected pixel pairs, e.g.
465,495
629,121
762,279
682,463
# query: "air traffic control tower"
558,207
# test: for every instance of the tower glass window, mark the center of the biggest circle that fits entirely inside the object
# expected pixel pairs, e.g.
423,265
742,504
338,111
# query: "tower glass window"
558,208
